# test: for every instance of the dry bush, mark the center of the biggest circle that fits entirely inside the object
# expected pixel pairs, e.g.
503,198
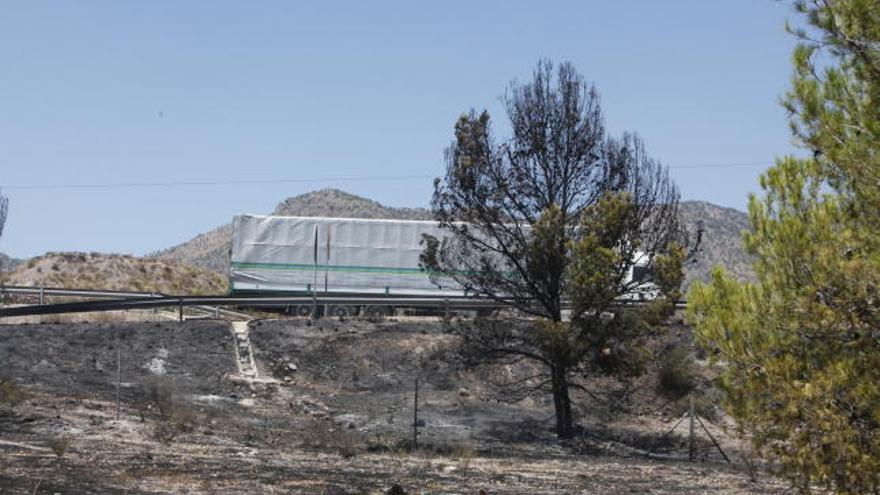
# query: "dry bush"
386,443
59,444
173,415
705,405
346,443
11,395
677,375
464,452
274,436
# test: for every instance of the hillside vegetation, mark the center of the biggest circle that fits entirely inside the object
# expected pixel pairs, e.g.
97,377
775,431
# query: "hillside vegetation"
115,272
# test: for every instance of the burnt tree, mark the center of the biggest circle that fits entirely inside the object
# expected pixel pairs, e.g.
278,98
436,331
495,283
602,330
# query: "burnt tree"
558,213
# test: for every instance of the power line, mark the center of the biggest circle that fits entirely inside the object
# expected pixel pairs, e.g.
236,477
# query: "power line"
722,165
122,185
209,183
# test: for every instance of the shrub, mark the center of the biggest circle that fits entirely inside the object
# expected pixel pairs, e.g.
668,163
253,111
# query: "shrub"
705,405
11,394
59,444
174,416
345,443
677,375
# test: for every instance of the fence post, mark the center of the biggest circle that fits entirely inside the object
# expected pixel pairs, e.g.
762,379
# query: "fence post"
416,417
118,373
691,446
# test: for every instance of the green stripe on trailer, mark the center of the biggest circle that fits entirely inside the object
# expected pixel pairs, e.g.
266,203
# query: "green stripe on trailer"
331,268
383,270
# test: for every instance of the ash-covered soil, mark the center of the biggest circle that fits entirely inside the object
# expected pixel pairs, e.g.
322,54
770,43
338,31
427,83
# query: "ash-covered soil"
79,360
364,374
330,413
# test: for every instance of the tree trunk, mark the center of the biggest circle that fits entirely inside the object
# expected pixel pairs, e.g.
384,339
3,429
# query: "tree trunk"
562,402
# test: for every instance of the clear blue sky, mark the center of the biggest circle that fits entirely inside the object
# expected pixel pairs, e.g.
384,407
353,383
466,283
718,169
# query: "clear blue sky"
131,92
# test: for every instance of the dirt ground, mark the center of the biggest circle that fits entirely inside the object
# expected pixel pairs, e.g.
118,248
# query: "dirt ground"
331,413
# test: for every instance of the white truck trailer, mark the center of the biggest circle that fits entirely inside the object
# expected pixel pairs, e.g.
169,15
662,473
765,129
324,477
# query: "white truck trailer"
346,256
332,256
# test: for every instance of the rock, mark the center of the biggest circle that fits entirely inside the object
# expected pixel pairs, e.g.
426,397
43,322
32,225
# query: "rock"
291,367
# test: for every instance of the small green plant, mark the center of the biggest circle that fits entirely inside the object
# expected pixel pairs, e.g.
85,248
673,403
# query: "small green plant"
59,444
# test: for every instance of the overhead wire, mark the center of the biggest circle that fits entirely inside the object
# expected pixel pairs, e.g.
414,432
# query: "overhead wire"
208,183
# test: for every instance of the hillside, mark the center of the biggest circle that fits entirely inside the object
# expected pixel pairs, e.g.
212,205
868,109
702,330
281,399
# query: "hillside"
336,203
329,411
115,272
721,241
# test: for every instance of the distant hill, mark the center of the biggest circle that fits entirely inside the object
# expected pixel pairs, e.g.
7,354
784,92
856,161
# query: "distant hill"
336,203
115,272
721,241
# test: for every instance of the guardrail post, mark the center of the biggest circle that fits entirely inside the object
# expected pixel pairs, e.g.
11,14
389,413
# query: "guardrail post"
180,311
41,296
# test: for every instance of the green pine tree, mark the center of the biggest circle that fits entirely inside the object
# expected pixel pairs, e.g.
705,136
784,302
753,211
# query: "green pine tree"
800,348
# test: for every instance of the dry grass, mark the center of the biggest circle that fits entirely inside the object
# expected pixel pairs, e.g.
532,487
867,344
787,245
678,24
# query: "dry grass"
116,272
59,444
11,395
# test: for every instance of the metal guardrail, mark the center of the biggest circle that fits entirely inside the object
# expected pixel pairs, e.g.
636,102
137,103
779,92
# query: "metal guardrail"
217,301
43,292
140,300
57,291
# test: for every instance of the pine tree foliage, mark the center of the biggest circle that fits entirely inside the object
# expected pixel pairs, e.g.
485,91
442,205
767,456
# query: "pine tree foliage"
801,346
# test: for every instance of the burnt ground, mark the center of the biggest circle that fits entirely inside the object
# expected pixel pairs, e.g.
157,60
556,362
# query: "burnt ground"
334,417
